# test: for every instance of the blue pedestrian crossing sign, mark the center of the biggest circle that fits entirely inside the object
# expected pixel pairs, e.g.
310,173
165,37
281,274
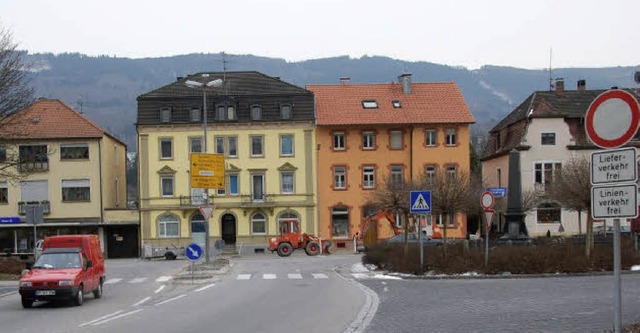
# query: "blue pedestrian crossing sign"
193,252
420,202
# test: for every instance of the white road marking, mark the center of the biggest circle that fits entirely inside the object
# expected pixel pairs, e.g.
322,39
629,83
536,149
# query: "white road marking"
102,318
138,280
206,287
269,276
243,277
320,276
116,317
295,276
142,301
114,280
164,278
359,275
171,299
159,289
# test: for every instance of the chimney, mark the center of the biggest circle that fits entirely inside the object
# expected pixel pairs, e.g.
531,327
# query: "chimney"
559,86
344,79
405,80
179,78
582,85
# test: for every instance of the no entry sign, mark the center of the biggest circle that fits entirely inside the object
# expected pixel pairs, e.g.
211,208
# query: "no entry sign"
612,118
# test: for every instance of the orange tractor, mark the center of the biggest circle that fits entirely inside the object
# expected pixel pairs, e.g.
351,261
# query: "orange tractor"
290,239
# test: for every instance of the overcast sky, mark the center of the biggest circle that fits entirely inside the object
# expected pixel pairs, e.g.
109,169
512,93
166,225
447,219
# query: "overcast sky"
470,33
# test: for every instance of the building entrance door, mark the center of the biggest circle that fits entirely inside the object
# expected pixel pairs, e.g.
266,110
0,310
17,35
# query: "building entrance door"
229,229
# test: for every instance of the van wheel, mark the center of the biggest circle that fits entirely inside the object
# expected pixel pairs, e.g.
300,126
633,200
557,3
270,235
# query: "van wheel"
98,292
27,303
170,256
79,299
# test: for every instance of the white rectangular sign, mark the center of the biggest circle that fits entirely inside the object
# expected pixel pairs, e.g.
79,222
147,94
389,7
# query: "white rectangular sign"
614,201
614,166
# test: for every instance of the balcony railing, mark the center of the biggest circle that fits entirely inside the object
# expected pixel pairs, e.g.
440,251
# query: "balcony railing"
192,201
22,206
33,166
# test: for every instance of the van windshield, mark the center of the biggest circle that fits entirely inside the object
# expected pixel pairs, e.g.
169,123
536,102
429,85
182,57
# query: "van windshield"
59,260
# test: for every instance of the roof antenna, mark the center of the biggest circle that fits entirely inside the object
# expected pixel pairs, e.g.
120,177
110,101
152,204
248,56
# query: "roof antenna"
550,69
224,65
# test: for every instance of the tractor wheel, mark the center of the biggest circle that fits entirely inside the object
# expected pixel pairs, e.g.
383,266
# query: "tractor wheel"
312,249
285,249
328,247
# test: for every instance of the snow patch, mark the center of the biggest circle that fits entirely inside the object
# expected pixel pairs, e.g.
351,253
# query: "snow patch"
635,268
386,277
496,93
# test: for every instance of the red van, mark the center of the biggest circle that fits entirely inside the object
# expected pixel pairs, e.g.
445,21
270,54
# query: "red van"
69,267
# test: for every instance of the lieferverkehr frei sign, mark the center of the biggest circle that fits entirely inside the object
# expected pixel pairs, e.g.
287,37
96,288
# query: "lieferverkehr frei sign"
613,166
614,201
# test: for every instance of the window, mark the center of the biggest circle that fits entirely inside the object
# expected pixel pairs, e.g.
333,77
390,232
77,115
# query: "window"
338,141
74,151
194,115
451,172
256,146
233,146
256,112
430,173
370,104
285,111
166,186
165,115
368,140
4,192
548,212
198,196
396,104
166,148
339,178
258,224
76,190
231,112
219,144
220,113
286,182
544,171
368,177
233,184
431,138
195,145
257,187
33,158
451,137
168,226
548,139
395,138
225,112
397,177
340,222
3,154
499,177
286,145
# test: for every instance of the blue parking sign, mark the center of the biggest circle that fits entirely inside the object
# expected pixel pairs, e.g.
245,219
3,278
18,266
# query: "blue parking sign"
420,202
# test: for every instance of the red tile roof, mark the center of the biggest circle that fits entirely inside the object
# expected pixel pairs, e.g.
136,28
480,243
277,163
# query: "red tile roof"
341,104
48,119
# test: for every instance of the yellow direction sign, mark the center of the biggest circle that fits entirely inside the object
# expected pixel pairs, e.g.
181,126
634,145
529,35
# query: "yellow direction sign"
207,170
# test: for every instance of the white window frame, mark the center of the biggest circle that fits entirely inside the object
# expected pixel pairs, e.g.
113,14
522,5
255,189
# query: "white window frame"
75,145
162,226
219,142
251,138
170,141
162,186
394,137
340,177
397,174
165,115
368,177
451,137
284,188
262,220
431,137
256,112
339,139
286,114
192,141
282,152
368,140
77,184
194,115
232,152
4,192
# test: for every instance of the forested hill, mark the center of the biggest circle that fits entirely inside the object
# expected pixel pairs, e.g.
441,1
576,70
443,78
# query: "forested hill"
105,88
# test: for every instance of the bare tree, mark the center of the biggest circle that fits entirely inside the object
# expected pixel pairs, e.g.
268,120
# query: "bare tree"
571,188
15,94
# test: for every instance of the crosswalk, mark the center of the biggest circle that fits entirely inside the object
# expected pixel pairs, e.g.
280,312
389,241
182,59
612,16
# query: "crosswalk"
239,277
137,280
288,276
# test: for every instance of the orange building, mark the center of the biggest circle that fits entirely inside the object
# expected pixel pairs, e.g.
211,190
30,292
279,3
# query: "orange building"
367,133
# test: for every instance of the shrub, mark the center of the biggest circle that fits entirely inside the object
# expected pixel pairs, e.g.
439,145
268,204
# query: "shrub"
538,257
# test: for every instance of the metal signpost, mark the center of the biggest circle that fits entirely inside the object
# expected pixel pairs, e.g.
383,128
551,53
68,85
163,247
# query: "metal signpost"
34,214
487,201
420,204
611,121
193,252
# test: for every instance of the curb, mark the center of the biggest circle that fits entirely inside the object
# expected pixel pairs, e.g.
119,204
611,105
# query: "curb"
500,276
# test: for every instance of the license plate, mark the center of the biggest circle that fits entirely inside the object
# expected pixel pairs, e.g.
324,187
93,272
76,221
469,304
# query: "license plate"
45,292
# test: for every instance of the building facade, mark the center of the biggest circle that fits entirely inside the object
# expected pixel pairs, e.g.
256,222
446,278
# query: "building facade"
264,129
72,169
548,130
368,133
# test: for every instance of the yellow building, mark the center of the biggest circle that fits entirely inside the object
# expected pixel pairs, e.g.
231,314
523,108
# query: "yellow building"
60,161
264,128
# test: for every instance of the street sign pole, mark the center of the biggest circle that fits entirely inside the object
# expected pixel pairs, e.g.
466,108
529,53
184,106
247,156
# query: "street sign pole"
486,245
617,286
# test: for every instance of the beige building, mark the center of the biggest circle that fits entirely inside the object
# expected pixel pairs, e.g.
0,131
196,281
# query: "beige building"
58,160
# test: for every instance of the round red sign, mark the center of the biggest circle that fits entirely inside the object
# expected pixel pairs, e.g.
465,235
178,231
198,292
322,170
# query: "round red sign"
612,118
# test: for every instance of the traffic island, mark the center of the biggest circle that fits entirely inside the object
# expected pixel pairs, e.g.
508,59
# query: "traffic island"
203,272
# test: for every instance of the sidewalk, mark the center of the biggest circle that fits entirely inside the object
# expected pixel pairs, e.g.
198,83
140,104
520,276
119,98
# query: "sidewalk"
8,288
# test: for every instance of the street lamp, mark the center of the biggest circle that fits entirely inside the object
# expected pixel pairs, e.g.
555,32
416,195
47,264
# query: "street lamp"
196,84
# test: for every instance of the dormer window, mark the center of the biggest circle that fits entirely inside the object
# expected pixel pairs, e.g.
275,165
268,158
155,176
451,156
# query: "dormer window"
256,112
370,104
396,104
194,115
285,111
165,115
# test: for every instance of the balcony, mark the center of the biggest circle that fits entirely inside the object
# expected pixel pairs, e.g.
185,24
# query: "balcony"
33,167
46,206
192,201
266,201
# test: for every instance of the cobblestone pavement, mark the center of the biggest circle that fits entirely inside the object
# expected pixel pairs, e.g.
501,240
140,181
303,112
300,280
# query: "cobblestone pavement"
556,304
